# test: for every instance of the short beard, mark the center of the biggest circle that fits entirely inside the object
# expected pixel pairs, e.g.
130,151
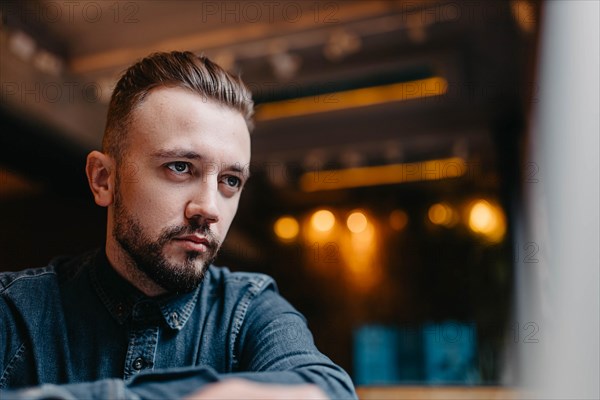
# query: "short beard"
148,257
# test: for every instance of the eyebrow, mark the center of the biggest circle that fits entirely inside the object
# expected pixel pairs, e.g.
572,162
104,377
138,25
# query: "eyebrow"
177,153
192,155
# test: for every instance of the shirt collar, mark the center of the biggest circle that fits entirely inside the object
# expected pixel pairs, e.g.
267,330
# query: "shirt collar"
125,302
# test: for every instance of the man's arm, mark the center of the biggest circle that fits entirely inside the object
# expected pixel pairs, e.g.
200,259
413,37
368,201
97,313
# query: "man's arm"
274,347
177,388
274,350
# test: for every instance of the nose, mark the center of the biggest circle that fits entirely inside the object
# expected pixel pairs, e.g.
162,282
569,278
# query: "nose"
203,205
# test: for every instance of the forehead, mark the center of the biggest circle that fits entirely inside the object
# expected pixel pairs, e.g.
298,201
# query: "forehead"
171,118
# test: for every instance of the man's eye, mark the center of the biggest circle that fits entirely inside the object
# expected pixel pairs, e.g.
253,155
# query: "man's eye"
179,167
233,181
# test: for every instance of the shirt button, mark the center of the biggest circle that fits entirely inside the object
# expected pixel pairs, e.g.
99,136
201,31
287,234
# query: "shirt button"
120,309
138,363
175,317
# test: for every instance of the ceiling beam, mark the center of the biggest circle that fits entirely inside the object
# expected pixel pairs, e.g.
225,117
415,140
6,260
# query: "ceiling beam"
233,35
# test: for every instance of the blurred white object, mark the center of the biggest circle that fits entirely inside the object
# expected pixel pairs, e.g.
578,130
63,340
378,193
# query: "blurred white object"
559,293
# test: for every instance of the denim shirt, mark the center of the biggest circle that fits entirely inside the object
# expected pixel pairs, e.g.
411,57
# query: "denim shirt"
76,329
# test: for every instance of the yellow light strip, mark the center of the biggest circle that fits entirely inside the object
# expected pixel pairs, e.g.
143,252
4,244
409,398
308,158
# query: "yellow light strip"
429,87
430,170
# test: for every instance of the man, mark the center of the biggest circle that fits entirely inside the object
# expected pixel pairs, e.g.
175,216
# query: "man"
148,316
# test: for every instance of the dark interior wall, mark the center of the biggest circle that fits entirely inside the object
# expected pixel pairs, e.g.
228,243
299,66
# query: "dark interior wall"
57,216
38,227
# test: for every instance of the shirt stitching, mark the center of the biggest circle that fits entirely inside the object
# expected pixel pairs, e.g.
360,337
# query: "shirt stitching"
11,364
257,284
21,277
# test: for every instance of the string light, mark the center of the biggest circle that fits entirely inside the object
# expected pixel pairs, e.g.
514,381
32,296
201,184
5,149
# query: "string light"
488,220
286,228
442,214
398,220
322,220
356,222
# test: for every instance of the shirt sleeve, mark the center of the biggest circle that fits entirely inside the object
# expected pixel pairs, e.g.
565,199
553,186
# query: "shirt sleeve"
276,346
173,383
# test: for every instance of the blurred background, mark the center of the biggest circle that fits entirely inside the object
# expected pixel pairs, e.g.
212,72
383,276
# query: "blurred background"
424,176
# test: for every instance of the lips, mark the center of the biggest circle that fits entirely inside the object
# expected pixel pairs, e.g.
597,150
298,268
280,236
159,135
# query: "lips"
194,242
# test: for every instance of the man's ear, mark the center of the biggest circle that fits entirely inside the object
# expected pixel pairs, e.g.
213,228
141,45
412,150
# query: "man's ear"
100,170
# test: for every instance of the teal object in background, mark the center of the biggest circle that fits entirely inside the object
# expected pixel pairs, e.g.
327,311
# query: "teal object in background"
450,353
434,353
376,350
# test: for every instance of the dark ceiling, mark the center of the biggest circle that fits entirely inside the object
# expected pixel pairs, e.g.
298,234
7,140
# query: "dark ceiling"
59,61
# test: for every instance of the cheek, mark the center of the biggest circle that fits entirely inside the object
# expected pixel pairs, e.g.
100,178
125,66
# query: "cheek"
227,215
154,206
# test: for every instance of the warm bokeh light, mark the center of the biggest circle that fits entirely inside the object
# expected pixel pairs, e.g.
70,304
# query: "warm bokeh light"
433,86
430,170
361,255
286,228
488,220
442,214
322,220
350,249
481,217
357,222
398,220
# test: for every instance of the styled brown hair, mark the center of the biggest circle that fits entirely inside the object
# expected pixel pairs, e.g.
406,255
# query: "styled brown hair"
175,69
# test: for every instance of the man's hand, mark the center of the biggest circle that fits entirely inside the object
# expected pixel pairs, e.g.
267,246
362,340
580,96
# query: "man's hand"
242,389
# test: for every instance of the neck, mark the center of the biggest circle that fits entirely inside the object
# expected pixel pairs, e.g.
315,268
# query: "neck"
128,270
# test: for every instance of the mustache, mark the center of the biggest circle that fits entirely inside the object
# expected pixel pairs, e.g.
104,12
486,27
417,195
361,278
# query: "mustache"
174,232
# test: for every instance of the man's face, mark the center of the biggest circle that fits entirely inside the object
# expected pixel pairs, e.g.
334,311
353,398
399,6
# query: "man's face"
178,186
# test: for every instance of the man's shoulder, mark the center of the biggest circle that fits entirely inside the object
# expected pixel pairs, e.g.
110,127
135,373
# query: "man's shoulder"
29,276
252,281
58,269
